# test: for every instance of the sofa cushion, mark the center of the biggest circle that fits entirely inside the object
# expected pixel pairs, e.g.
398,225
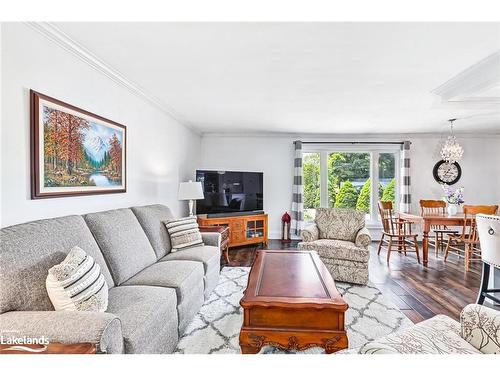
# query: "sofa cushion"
148,316
337,249
339,223
185,277
122,241
438,335
28,250
151,219
209,256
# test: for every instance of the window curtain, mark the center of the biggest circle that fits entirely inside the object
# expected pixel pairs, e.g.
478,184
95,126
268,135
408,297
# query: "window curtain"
298,192
405,202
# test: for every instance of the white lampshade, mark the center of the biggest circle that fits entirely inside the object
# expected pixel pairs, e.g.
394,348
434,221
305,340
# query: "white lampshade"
190,190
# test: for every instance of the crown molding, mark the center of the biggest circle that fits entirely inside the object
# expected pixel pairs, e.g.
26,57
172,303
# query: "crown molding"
348,137
56,35
474,79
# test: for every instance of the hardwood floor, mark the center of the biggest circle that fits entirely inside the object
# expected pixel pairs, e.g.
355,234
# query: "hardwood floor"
420,293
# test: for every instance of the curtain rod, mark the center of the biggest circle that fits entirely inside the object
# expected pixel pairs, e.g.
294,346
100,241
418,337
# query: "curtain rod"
356,143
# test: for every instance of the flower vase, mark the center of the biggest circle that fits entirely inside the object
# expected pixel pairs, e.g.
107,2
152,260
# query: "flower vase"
452,209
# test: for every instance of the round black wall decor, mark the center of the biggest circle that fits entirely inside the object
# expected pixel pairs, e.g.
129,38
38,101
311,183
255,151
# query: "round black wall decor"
446,173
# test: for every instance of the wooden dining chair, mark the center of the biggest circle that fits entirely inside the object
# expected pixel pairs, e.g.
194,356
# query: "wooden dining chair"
396,232
466,243
436,207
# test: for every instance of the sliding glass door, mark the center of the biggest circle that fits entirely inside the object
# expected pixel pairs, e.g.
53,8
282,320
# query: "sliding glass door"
355,177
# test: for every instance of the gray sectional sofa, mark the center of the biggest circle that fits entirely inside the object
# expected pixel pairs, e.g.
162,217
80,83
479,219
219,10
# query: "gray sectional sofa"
153,293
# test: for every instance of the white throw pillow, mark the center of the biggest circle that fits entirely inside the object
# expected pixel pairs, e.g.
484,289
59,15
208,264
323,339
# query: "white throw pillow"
184,233
77,284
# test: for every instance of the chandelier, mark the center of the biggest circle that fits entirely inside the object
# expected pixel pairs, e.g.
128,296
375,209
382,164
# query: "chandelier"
451,151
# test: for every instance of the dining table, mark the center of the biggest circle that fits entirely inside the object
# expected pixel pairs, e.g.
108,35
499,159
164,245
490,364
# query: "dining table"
427,222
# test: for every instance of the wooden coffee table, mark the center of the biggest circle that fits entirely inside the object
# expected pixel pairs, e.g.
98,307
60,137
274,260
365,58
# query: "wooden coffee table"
291,303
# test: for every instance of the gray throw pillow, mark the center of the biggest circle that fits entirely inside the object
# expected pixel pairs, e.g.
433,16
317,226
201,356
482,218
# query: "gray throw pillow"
184,233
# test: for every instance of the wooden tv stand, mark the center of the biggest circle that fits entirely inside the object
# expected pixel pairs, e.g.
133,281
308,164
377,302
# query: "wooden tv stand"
243,230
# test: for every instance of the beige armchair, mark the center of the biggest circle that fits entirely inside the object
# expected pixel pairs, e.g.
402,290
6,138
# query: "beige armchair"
340,238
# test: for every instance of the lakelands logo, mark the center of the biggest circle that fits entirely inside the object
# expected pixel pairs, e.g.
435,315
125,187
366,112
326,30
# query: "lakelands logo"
23,340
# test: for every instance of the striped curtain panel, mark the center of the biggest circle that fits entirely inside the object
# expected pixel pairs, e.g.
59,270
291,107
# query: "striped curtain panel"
405,202
298,192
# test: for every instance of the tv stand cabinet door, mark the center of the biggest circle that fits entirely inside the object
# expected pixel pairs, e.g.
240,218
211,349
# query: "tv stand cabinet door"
237,224
237,238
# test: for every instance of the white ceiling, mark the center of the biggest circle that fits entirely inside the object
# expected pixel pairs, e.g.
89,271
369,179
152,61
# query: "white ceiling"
301,77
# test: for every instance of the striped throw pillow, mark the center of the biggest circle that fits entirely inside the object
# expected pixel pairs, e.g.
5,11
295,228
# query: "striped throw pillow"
184,233
77,284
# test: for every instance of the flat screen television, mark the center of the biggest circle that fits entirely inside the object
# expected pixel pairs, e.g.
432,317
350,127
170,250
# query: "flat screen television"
230,193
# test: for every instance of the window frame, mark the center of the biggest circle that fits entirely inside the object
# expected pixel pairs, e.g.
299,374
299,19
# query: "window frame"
374,150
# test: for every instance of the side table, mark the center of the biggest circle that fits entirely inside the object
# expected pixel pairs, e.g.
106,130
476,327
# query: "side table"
224,242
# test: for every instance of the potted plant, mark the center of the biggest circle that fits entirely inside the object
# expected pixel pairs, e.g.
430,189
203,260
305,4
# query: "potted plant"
453,198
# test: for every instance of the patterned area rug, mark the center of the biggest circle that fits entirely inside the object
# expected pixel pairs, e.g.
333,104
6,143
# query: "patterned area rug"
215,329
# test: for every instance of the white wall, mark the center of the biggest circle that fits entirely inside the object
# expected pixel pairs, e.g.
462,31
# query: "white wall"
480,169
273,155
160,151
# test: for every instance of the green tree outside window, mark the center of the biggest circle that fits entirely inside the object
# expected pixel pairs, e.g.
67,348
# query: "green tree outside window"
363,202
347,196
390,192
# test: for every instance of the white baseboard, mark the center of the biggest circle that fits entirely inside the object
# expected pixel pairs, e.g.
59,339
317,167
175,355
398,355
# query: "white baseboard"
277,236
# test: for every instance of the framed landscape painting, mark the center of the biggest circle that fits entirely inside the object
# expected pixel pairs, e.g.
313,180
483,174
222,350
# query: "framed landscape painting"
74,152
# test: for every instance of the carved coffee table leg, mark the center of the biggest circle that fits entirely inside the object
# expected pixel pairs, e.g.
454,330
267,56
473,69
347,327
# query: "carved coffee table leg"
331,349
335,343
250,343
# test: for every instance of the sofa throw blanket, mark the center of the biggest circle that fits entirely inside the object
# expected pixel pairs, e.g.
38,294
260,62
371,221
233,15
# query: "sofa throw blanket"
77,284
184,233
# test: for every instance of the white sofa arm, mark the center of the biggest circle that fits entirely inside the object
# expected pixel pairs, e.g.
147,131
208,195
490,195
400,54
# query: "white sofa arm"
309,234
481,328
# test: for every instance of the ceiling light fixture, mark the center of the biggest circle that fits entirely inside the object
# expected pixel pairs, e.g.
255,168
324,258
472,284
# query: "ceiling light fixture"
451,152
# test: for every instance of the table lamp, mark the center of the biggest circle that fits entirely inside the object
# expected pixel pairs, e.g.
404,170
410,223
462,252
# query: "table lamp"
190,191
